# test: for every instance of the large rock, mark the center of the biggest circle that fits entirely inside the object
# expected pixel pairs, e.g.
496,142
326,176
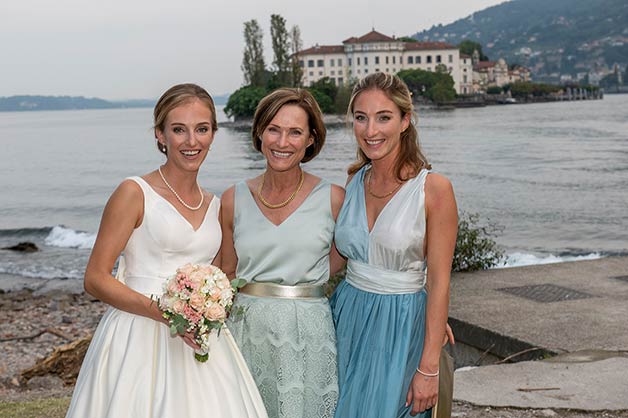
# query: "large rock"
24,247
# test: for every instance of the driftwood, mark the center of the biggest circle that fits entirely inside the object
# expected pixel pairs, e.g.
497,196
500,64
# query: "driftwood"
65,362
52,331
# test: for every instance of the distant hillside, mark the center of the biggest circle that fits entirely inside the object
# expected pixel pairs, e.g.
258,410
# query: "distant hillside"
26,103
551,37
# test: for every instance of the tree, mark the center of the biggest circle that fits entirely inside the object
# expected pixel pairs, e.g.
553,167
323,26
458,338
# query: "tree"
253,65
406,39
436,86
242,102
467,47
281,50
324,101
296,45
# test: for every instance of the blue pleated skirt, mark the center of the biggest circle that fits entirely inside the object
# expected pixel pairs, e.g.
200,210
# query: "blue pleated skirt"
380,341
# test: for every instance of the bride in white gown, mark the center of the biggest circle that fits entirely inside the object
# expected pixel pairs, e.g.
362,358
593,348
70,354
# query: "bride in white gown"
160,221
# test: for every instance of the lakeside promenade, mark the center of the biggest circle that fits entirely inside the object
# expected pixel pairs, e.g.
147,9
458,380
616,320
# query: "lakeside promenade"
575,310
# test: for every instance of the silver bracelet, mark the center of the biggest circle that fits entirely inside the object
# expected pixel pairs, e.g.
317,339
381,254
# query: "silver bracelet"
419,371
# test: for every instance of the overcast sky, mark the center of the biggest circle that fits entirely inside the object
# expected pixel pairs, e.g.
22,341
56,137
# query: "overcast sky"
122,49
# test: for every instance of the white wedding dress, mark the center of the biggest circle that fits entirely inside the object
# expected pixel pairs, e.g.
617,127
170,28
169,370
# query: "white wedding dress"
133,367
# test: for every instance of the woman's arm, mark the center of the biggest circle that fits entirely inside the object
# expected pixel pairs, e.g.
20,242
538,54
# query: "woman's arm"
123,213
442,227
228,256
336,261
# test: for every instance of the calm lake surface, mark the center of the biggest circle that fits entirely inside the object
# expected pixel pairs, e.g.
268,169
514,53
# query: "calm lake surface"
554,176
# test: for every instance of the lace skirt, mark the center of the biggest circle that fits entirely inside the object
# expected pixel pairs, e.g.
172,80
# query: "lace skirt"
290,348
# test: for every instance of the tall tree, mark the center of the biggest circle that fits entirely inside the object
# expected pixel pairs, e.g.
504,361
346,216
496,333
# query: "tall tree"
253,65
296,45
281,49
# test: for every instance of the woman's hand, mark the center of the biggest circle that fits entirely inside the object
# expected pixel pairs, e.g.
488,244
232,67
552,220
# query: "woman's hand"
449,336
423,393
188,338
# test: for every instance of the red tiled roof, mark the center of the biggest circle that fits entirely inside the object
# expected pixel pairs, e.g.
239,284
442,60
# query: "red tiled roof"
417,46
323,49
484,65
465,56
372,36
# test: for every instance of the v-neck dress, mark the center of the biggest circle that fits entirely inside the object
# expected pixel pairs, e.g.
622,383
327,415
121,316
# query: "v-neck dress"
289,344
133,367
379,309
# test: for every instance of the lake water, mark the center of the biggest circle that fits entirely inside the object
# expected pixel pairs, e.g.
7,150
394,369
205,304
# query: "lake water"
554,176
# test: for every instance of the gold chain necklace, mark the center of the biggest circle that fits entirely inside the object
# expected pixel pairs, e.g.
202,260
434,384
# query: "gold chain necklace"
383,196
179,197
285,202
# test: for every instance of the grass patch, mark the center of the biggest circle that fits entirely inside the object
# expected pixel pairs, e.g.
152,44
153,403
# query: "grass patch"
40,408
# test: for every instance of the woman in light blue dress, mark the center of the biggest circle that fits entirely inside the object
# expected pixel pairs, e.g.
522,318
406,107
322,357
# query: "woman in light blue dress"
278,231
397,228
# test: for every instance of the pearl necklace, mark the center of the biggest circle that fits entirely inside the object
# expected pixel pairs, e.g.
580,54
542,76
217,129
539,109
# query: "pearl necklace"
179,197
285,202
383,196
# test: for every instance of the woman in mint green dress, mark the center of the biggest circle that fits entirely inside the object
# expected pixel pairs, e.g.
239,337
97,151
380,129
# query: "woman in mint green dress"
278,231
397,228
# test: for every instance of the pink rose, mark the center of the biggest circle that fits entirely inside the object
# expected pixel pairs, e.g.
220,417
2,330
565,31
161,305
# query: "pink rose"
187,269
197,300
215,312
173,287
214,294
196,279
178,306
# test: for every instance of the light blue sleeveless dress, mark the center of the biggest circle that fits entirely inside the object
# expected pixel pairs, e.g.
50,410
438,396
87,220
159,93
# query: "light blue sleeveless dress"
379,309
289,344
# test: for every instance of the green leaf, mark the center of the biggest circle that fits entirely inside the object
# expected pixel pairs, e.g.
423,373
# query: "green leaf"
201,357
238,283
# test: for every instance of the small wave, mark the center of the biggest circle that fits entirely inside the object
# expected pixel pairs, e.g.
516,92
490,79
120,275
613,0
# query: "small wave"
60,236
523,259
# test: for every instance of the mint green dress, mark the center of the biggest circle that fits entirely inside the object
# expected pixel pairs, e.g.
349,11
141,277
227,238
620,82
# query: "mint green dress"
289,344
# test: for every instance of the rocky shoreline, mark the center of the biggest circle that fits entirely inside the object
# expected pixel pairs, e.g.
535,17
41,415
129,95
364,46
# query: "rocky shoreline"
35,324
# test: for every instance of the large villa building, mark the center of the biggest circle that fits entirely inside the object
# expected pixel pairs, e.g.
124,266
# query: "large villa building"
375,52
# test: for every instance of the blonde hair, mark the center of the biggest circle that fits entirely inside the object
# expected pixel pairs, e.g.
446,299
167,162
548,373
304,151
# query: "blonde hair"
410,155
270,105
174,97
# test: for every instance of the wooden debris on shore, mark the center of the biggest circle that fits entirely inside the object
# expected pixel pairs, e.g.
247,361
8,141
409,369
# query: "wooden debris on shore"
65,362
23,247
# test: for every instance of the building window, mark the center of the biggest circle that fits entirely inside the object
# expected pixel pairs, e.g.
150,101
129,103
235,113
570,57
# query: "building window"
377,60
358,60
429,59
377,70
340,81
451,58
311,73
331,62
394,60
366,60
339,62
400,60
394,70
451,69
358,71
387,70
417,59
320,73
464,78
333,80
386,61
320,63
438,59
366,71
310,63
333,72
349,62
410,60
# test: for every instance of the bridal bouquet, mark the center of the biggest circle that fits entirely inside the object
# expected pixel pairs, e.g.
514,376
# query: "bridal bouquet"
198,299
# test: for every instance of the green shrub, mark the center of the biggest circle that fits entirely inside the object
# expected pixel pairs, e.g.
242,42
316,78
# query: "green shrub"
475,247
